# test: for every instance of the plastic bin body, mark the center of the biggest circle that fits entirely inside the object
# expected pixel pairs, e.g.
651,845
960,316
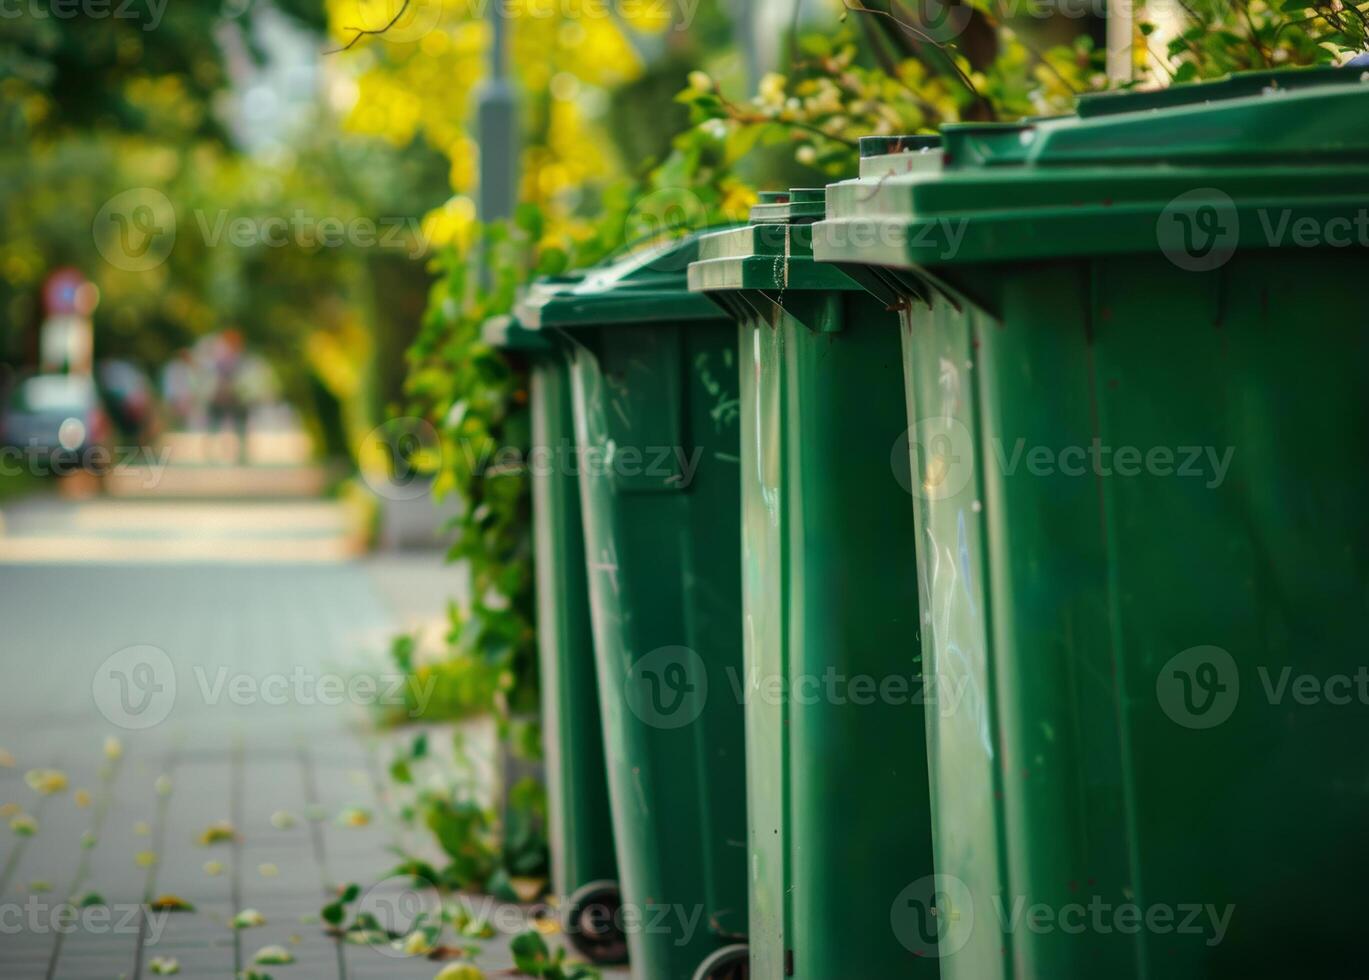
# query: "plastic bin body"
654,391
577,782
836,763
1137,422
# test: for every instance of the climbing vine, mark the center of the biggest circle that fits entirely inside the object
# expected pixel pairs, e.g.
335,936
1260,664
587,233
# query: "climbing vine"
875,73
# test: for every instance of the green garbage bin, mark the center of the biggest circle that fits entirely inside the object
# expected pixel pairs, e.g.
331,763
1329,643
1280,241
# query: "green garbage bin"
654,379
837,792
1135,356
583,864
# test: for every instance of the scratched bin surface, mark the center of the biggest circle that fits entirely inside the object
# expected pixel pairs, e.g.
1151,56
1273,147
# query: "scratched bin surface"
1137,426
654,392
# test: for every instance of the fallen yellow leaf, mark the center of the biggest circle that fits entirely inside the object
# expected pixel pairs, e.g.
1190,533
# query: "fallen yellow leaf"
46,781
217,833
353,817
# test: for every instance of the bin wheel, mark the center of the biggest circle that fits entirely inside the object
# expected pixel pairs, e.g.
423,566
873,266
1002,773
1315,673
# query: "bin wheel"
728,963
592,922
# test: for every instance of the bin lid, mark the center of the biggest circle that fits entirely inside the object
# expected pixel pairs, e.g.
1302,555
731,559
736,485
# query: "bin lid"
772,254
506,333
647,286
1238,84
1131,172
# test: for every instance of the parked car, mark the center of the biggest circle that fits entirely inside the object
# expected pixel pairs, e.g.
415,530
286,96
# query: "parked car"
55,419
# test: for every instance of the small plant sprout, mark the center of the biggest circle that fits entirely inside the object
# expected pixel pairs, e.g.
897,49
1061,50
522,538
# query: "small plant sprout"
460,971
273,956
248,919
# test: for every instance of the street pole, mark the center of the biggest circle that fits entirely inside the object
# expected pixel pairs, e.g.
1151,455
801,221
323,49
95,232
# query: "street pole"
744,21
497,128
498,138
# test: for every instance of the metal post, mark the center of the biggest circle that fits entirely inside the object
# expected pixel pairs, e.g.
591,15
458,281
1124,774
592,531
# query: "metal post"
744,17
497,132
497,129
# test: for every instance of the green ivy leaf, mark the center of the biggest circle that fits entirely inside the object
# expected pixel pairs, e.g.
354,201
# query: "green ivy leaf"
530,953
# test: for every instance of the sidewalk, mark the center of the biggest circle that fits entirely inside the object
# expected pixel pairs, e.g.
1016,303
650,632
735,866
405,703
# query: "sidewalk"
224,713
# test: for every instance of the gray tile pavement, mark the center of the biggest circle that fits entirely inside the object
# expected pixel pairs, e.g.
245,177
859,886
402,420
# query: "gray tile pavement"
226,745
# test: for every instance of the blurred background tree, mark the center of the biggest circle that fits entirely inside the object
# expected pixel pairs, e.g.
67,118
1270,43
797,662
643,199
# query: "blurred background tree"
223,108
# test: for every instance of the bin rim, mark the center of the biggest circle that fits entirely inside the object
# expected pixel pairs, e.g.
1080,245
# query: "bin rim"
505,332
773,255
646,286
1102,183
770,256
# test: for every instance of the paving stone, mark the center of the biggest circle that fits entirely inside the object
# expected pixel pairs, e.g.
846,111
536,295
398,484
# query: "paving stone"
217,619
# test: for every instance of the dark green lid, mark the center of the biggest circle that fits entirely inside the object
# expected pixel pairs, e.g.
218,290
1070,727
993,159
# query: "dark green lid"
768,263
1232,86
647,286
880,146
791,207
882,156
506,333
1107,181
